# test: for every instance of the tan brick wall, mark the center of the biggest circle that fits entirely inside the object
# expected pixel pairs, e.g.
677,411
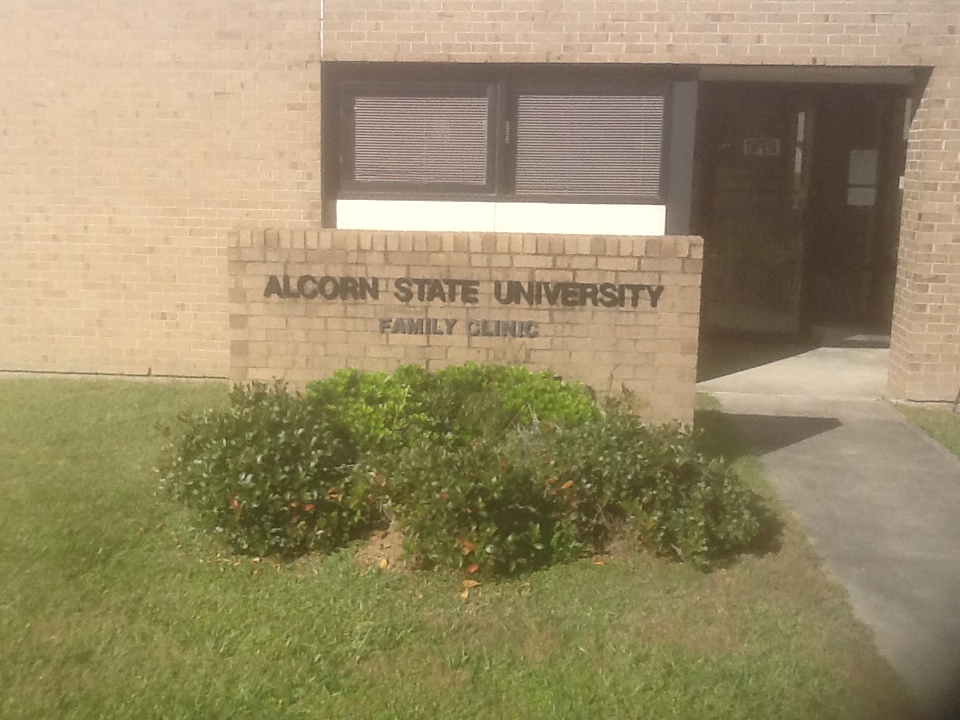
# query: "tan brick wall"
133,137
925,347
925,362
749,32
651,351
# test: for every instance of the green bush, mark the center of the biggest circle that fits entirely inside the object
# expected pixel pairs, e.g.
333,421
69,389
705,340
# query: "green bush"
677,501
456,404
382,412
549,492
486,401
487,468
473,506
272,473
444,410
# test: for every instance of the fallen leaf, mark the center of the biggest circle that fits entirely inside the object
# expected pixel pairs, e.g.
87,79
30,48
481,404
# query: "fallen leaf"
567,485
598,561
465,594
472,570
468,584
383,563
468,547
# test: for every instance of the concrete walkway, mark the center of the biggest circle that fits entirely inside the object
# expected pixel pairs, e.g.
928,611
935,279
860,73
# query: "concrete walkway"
879,499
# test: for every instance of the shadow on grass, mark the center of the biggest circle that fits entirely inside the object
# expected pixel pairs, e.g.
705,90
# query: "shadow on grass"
767,540
719,438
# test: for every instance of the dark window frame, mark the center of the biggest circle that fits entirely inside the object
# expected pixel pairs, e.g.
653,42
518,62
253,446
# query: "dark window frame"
352,89
584,87
502,89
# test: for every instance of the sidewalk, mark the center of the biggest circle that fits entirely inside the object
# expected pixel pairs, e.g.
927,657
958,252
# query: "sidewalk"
879,499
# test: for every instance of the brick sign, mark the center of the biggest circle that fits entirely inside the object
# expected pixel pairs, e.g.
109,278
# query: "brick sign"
619,313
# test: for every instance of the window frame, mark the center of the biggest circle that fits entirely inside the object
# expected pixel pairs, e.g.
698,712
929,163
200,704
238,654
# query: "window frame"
356,188
503,87
584,87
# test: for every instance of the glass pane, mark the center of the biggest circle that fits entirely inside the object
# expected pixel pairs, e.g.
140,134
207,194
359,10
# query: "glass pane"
421,139
589,144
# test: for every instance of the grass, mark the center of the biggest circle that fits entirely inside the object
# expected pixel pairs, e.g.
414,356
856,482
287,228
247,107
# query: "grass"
940,424
111,607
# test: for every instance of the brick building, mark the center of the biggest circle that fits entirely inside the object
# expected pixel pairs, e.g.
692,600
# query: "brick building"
151,151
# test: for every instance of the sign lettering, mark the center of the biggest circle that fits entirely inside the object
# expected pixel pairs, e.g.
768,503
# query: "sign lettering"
467,292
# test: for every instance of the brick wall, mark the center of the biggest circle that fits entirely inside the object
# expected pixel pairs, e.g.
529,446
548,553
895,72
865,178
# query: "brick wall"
925,357
925,345
750,32
133,137
625,313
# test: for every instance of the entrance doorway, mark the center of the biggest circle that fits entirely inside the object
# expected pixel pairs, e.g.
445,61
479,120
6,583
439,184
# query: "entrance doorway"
797,197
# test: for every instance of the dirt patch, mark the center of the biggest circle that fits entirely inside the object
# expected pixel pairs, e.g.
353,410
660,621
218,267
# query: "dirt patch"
623,543
384,550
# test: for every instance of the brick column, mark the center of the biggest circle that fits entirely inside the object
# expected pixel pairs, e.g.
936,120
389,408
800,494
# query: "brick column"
925,342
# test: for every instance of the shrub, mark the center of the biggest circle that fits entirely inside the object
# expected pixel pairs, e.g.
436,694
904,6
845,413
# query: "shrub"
473,506
382,412
549,492
456,404
271,472
486,401
678,502
487,468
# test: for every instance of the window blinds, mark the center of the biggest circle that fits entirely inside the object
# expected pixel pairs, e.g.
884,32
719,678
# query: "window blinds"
589,145
420,139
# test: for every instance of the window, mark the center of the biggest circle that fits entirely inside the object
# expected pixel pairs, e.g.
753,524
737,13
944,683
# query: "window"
595,145
504,138
422,138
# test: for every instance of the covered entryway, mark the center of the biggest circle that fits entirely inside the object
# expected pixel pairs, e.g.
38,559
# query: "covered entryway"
797,196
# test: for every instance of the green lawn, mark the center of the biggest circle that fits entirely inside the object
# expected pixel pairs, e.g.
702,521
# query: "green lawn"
110,607
940,424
